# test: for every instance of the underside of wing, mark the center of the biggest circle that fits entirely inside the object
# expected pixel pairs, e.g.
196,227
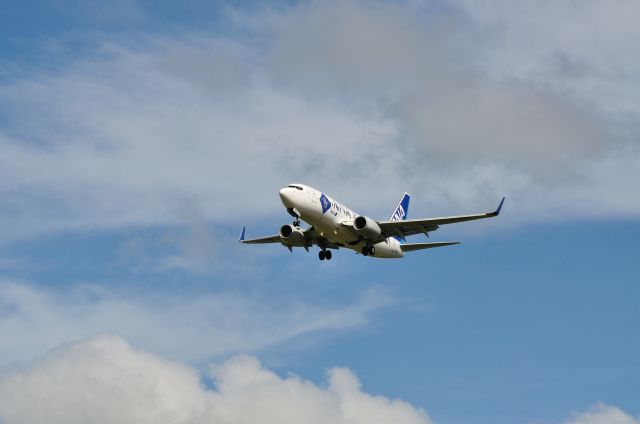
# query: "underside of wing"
410,247
262,240
424,226
314,238
309,238
269,239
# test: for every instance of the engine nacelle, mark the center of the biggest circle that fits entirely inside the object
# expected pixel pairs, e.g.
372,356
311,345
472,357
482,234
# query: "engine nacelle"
367,227
292,236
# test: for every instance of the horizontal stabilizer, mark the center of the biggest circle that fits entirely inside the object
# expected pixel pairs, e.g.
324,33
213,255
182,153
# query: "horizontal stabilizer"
410,247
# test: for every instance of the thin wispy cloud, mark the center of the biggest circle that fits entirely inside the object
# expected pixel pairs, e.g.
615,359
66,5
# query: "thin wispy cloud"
190,326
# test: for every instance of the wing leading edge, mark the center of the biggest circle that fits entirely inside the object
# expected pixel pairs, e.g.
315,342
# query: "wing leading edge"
424,226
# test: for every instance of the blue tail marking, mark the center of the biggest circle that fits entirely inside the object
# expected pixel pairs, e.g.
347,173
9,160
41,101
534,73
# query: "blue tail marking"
326,204
401,212
497,212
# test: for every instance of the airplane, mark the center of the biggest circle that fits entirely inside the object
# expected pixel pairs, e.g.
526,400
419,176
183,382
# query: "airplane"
334,226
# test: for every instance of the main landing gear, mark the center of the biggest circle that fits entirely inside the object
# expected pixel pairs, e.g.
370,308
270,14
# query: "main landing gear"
368,250
324,254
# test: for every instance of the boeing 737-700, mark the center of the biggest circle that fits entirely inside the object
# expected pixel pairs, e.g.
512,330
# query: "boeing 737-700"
335,226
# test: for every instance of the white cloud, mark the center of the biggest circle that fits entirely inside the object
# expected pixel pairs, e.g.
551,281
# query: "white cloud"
456,104
603,414
103,380
193,326
586,48
135,140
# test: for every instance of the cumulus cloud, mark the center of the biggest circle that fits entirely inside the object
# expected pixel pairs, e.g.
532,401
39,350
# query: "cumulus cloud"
455,103
603,414
189,327
104,380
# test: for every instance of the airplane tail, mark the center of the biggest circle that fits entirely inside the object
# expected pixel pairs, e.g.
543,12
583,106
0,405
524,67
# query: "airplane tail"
400,214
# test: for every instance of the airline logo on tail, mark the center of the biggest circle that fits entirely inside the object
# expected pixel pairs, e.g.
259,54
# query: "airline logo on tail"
401,212
399,215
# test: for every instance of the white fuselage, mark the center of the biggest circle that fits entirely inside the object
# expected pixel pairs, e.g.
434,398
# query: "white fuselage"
332,219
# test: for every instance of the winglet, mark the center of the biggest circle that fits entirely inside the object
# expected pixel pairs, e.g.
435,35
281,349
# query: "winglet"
497,211
241,238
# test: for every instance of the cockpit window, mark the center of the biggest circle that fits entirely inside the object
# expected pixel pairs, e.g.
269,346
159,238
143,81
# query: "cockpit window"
296,187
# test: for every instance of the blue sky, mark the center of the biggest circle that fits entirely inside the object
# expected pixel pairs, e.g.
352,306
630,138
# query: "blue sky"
137,139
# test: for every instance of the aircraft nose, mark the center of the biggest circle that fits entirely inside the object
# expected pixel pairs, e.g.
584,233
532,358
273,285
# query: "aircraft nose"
286,197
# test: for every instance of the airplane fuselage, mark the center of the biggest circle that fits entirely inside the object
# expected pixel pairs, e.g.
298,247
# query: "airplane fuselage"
332,220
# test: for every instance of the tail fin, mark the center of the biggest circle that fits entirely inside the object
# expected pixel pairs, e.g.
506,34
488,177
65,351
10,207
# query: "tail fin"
400,214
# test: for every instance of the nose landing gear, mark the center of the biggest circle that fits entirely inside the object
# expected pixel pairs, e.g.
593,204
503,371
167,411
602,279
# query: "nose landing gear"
296,216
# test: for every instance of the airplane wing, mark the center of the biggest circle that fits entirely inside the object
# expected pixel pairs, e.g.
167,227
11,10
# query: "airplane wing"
269,239
410,247
417,226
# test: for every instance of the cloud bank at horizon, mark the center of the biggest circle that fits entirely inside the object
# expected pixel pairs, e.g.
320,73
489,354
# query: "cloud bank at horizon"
107,381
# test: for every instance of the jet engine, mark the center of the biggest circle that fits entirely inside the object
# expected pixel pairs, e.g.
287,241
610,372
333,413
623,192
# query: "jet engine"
292,236
367,227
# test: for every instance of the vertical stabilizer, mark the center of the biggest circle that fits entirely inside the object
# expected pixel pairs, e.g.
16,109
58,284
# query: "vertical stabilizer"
400,214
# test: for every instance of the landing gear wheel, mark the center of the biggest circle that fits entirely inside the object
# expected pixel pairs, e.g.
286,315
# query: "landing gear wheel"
322,255
327,255
368,250
296,223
